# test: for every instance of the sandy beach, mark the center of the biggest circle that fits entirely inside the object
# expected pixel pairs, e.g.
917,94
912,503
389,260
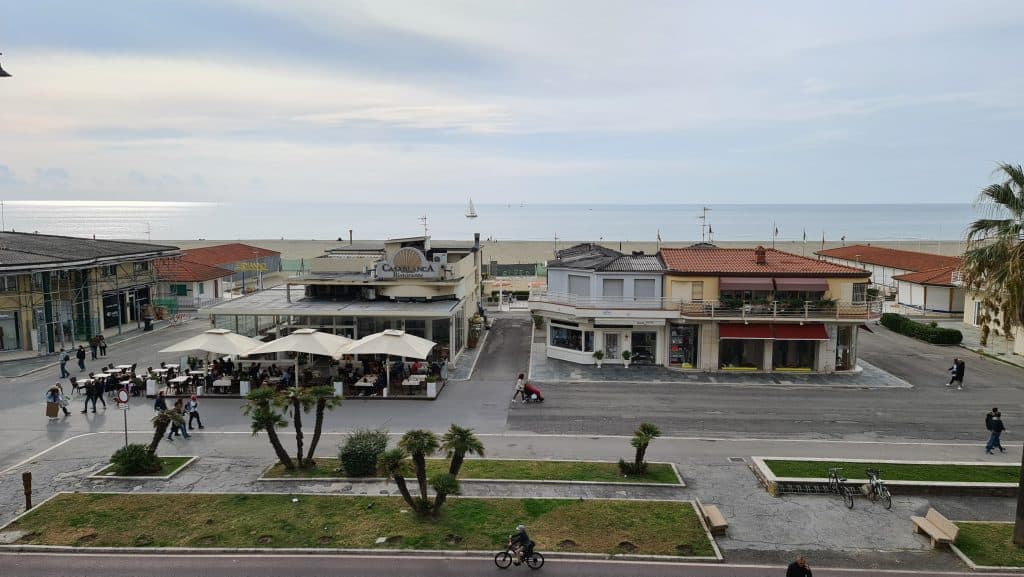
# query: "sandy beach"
522,251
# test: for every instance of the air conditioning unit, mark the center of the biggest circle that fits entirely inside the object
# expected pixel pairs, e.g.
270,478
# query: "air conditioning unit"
370,294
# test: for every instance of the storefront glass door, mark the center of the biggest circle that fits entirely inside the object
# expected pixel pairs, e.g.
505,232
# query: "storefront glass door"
645,346
611,346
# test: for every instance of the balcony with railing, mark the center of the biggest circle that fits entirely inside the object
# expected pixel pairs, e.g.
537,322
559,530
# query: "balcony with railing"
708,309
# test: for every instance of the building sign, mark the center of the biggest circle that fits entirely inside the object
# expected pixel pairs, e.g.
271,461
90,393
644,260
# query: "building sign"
408,262
251,267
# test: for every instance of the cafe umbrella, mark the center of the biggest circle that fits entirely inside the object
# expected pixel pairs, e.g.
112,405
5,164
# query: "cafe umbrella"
391,342
309,341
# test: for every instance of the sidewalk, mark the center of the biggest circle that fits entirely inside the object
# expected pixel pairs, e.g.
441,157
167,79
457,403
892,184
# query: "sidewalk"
547,370
999,347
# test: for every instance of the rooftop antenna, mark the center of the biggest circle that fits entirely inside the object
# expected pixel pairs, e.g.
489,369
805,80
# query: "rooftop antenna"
3,221
705,228
149,231
556,245
426,229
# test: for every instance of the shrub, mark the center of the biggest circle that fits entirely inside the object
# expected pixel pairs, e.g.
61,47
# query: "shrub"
135,459
926,332
359,453
538,321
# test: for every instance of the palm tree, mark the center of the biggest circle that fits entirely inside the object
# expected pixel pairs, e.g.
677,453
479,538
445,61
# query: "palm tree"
161,421
444,484
994,261
295,401
994,270
264,418
456,443
325,400
419,443
642,437
393,465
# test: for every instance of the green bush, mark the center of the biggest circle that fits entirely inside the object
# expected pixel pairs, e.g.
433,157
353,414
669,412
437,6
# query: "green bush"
538,321
135,460
358,455
929,333
630,469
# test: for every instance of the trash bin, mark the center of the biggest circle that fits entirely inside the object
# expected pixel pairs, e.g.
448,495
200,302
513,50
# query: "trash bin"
431,389
150,388
243,388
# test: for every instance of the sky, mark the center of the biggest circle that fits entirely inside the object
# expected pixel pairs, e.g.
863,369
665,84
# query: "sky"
569,101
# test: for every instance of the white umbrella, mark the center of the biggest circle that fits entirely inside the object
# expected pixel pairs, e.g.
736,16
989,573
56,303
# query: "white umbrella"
306,341
221,341
391,342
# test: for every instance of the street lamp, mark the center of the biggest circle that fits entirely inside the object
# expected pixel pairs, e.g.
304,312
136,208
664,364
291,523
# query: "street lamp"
3,73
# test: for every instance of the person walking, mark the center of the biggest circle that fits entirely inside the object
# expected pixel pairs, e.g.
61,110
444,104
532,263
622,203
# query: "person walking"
64,358
161,403
958,369
952,371
192,408
176,429
90,392
103,346
520,388
55,395
996,429
94,345
799,568
80,354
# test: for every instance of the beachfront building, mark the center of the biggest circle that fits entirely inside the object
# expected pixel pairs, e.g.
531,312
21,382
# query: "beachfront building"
58,291
187,285
934,290
973,315
247,264
885,264
714,310
431,290
598,299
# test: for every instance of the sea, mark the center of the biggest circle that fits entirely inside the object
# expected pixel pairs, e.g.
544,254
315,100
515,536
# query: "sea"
142,220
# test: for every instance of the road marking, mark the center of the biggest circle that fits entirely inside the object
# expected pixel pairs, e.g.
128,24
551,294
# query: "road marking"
45,451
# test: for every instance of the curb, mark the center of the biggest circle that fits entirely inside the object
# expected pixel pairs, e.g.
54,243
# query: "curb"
974,566
480,351
182,467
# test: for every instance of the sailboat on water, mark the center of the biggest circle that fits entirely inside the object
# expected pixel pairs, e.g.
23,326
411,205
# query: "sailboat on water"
471,210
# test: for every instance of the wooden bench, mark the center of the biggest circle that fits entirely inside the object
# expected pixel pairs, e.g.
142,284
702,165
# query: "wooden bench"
940,529
713,517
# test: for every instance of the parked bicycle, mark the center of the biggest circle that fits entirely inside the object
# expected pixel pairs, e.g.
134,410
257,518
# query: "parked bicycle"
837,484
504,558
877,489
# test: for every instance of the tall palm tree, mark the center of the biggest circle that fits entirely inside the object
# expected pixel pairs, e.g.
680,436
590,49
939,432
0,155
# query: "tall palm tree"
393,465
325,400
994,269
264,418
161,421
994,260
419,443
642,438
456,443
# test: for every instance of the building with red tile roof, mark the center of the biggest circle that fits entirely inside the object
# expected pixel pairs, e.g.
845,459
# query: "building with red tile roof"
885,264
934,290
703,260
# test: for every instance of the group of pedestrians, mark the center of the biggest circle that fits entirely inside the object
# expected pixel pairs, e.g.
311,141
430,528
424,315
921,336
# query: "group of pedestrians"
181,408
96,344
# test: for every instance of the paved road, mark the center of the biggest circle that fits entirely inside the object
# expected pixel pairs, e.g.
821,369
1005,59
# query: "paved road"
927,411
317,566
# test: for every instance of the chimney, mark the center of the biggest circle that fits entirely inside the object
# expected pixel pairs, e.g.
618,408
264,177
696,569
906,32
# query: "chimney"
350,237
759,255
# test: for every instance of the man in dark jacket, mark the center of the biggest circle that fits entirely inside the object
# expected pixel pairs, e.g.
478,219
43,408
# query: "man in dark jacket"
958,369
996,428
80,354
799,568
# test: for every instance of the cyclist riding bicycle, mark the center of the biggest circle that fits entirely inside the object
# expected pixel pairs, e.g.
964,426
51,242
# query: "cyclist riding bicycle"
520,543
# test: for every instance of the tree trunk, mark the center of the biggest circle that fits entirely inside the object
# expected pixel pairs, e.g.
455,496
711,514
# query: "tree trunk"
318,426
641,452
1018,527
158,435
421,472
438,501
404,490
282,455
297,421
456,464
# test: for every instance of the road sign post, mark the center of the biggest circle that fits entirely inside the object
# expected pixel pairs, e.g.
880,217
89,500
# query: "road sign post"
122,403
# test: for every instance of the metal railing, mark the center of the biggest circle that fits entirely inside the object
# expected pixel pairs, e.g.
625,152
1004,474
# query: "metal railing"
718,309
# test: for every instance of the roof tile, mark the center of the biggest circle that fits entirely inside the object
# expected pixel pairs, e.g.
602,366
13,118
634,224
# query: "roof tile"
742,261
942,276
226,253
891,257
181,270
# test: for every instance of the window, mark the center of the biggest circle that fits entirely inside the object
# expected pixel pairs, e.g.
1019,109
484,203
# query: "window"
8,283
612,287
110,270
860,292
573,339
140,266
179,290
579,285
37,281
202,287
643,288
697,291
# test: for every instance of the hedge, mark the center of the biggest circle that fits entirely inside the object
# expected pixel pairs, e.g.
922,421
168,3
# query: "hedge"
921,331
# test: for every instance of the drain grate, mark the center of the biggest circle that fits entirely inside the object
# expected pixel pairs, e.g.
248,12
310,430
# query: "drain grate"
735,459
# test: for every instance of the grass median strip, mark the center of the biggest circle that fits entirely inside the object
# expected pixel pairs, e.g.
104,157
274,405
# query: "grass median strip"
899,471
261,520
990,544
505,469
168,465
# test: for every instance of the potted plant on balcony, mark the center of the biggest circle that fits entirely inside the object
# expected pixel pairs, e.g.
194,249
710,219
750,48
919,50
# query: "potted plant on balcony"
599,358
626,355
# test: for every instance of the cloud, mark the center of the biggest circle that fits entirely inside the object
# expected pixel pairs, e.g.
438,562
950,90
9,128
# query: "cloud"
52,177
7,177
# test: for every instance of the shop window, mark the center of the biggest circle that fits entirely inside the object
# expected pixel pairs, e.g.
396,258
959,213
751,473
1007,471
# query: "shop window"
612,287
793,355
588,341
741,354
566,338
682,350
844,347
643,288
645,347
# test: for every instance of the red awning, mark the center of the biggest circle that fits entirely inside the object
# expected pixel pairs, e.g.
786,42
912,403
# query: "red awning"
801,284
740,283
751,331
801,332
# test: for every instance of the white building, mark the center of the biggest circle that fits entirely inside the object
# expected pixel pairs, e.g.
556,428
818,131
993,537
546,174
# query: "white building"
885,264
933,290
